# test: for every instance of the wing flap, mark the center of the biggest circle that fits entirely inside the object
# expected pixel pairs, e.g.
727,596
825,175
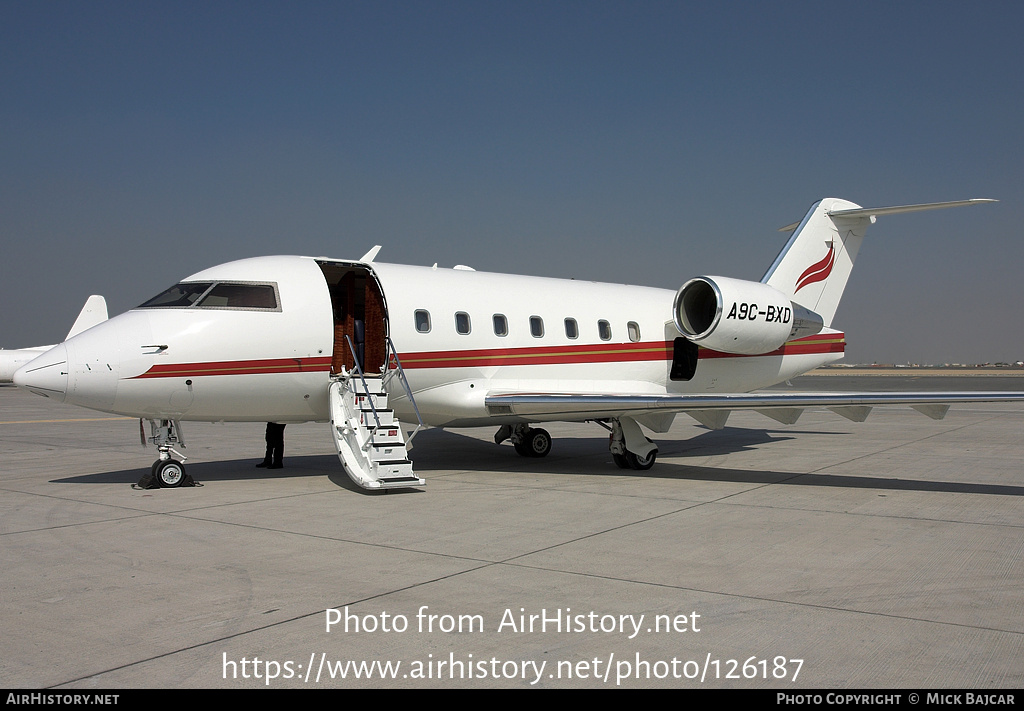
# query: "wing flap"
936,412
854,413
660,422
785,415
712,419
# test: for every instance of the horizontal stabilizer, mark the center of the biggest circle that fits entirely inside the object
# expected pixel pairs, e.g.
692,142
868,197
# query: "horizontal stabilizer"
895,210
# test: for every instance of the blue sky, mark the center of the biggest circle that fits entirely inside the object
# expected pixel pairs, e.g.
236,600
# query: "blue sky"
639,142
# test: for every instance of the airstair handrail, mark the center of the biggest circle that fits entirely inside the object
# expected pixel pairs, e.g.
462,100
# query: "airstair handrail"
405,383
366,388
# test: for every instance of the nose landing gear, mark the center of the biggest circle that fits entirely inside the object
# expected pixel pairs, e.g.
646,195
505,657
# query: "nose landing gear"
167,471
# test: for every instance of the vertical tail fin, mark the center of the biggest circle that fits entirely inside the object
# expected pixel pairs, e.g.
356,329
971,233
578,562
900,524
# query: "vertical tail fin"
814,266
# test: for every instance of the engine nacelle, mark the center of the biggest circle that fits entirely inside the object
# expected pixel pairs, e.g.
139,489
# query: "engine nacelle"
737,316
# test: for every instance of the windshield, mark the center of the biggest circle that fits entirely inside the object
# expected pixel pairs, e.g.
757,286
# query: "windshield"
216,295
240,296
178,296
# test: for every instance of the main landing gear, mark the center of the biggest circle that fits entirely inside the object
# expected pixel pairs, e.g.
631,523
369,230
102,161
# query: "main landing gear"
634,461
528,441
167,471
629,447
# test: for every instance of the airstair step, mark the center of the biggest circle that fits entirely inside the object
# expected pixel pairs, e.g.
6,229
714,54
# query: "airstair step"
386,453
386,435
372,401
395,469
384,417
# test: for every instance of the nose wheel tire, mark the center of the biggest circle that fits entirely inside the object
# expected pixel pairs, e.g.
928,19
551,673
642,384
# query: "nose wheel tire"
169,472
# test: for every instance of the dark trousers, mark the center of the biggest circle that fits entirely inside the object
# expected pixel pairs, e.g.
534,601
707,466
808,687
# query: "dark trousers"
275,445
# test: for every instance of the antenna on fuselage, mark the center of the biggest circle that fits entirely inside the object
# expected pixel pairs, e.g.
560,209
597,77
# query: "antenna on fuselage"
369,256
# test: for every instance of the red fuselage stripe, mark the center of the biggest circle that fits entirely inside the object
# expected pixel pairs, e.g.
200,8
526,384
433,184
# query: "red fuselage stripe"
611,353
238,367
492,357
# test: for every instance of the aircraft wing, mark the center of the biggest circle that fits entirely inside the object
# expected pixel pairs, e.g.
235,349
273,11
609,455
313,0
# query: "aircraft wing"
712,410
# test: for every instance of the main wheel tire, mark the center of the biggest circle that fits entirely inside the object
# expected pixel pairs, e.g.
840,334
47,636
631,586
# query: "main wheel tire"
522,448
169,473
641,463
538,442
621,461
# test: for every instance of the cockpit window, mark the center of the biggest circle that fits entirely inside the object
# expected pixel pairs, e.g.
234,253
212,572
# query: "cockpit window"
178,296
240,296
216,295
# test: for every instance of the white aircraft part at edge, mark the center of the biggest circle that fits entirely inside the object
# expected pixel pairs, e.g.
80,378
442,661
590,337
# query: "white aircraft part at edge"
93,312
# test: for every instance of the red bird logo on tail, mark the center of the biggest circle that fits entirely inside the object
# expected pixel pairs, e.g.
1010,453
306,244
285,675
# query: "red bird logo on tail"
817,272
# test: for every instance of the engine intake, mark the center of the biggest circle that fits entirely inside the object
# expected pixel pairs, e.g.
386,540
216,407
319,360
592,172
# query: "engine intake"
742,317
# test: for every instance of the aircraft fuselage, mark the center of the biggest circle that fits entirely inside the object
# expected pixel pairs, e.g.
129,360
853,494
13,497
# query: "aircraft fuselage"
460,334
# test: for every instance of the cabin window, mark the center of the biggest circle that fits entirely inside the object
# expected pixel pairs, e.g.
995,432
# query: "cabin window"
462,323
240,296
500,325
634,331
572,329
604,330
179,296
422,321
537,326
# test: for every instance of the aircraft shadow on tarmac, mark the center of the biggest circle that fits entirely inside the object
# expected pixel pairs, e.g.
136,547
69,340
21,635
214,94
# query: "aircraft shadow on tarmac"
449,453
576,456
224,470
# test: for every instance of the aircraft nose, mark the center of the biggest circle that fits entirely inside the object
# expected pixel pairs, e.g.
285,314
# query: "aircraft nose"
47,375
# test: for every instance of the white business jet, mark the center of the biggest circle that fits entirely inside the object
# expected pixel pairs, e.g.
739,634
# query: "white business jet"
376,349
94,312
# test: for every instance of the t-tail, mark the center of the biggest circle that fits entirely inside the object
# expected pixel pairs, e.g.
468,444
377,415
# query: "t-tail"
799,295
814,266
